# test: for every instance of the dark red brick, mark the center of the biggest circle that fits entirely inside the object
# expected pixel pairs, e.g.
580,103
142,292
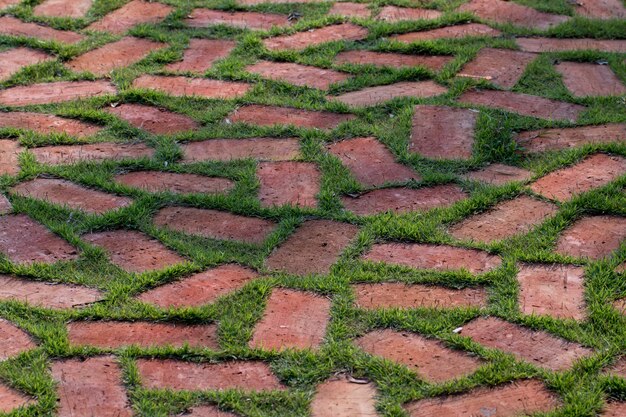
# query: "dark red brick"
338,397
601,9
56,92
501,67
556,45
15,27
11,399
48,295
196,87
158,181
201,54
397,14
130,15
63,8
293,183
376,95
46,124
70,154
297,74
9,157
260,115
593,237
448,32
498,174
13,60
585,79
301,40
387,59
201,18
14,340
503,11
554,139
263,149
153,119
349,9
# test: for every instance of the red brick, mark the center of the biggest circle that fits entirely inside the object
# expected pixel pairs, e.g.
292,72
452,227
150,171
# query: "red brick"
534,346
338,397
23,240
403,200
292,320
370,162
158,181
313,248
443,132
593,172
214,224
301,40
201,54
601,9
14,340
614,409
293,183
134,251
153,119
348,9
376,95
387,59
448,32
586,79
130,15
201,288
9,157
255,2
8,3
401,295
117,334
78,380
502,11
68,194
507,219
70,154
11,399
13,60
5,205
196,87
619,369
439,257
498,174
397,14
191,376
56,92
63,8
297,74
15,27
554,139
515,399
263,149
556,45
593,237
208,411
46,124
112,56
48,295
201,18
429,358
524,104
501,67
260,115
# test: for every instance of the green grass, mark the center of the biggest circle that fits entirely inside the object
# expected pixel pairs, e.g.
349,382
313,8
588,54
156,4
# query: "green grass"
583,389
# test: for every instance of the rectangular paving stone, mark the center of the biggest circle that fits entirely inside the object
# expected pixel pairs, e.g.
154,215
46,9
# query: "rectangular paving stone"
554,290
499,174
4,4
70,154
256,2
584,79
25,241
429,358
134,251
47,295
370,162
397,14
63,8
199,289
593,237
301,40
67,194
601,9
11,399
501,67
614,409
510,400
262,149
201,54
159,181
5,205
123,53
117,334
502,11
46,124
376,95
557,45
505,220
190,376
201,18
55,92
214,224
442,132
292,320
388,59
261,115
13,60
289,182
9,157
524,104
297,74
79,379
593,172
196,87
15,27
339,397
349,9
14,340
542,140
448,32
401,295
534,346
438,257
155,120
131,14
313,248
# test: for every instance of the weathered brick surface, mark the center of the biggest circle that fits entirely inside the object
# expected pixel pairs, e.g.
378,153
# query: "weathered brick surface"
15,27
586,79
14,340
620,305
46,124
158,181
593,237
556,44
388,59
293,183
301,40
13,60
337,397
618,369
63,8
11,399
313,248
602,9
197,87
448,32
245,20
297,74
70,154
397,14
153,119
132,14
201,54
263,149
292,320
502,11
376,95
614,409
55,92
46,295
349,9
498,174
501,67
5,205
554,139
8,3
9,157
256,114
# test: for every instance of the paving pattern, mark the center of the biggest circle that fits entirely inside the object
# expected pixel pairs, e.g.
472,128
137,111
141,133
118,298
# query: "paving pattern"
268,208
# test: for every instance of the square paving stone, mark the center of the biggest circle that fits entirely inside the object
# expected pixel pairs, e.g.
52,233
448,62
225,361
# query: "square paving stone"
593,237
262,149
314,37
586,79
201,54
388,59
192,87
155,120
13,60
293,183
297,74
260,115
63,8
92,152
201,18
132,14
503,11
376,95
158,181
533,141
448,32
47,295
46,124
15,27
338,397
55,92
501,67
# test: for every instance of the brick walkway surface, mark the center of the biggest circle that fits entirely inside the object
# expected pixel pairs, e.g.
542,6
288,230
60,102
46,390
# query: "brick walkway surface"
312,208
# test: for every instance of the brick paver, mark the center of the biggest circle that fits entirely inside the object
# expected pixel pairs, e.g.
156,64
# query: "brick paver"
439,257
54,92
534,346
614,409
338,397
201,54
293,183
558,44
9,157
499,174
388,59
370,162
619,369
263,149
505,220
196,87
15,27
297,74
158,181
601,9
448,32
501,67
131,14
271,115
14,340
349,9
593,237
313,248
376,95
153,119
585,79
200,18
71,154
134,251
214,224
4,4
397,14
11,399
554,139
301,40
46,124
593,172
292,320
46,295
5,205
502,11
63,8
13,60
